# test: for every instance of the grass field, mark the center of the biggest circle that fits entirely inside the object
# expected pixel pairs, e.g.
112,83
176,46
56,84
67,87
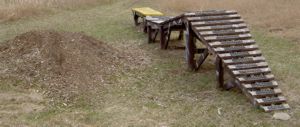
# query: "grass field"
162,93
11,10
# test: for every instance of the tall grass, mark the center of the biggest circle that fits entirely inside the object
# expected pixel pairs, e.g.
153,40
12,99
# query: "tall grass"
277,16
16,9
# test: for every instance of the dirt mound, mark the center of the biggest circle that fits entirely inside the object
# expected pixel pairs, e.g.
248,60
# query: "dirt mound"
66,64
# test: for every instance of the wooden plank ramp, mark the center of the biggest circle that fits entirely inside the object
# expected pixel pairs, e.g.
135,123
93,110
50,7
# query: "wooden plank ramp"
226,35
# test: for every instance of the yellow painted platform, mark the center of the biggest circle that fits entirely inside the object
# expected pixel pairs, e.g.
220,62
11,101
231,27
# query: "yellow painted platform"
146,11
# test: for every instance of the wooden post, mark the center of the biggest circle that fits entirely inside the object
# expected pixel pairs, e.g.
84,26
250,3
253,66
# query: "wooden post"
136,19
149,34
190,48
168,34
145,24
162,36
155,35
219,72
180,37
202,58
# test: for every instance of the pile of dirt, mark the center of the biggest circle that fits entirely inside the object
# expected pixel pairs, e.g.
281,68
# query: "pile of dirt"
64,63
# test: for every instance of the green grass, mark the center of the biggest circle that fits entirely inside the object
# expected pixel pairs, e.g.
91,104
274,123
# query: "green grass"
163,93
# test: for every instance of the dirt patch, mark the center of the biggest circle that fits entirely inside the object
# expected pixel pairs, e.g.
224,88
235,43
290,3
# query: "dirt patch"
64,64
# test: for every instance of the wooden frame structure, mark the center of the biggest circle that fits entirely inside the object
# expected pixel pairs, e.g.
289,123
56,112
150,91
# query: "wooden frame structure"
164,26
225,35
155,23
142,13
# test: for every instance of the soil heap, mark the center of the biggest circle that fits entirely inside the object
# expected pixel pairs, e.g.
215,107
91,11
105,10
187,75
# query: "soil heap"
65,64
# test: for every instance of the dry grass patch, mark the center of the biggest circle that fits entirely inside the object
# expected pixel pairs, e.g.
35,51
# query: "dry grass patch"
11,10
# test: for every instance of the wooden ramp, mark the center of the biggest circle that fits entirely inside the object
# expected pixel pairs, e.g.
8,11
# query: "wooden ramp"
225,34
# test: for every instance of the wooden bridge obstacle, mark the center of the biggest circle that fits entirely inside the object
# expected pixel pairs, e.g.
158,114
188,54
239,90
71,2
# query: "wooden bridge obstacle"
225,35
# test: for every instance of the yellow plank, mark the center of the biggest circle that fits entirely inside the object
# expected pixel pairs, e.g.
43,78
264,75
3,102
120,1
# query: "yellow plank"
146,11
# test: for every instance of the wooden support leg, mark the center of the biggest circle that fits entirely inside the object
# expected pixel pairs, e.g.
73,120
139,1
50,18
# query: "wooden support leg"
180,37
220,76
136,19
145,26
162,37
190,50
168,35
155,35
150,34
203,56
219,72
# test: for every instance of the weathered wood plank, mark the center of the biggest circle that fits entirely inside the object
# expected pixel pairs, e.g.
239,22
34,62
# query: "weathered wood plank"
248,66
260,85
218,22
231,43
271,100
244,60
244,79
233,49
221,27
275,107
228,37
225,32
211,13
251,71
240,54
265,92
210,18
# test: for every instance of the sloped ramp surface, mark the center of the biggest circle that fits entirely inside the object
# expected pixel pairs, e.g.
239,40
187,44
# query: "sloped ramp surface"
226,35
